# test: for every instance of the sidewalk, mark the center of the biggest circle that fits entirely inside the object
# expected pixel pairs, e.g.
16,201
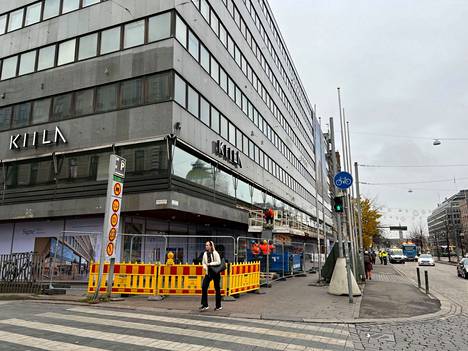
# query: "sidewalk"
392,295
444,260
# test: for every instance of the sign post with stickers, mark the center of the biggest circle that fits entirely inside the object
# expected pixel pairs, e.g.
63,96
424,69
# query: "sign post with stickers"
111,219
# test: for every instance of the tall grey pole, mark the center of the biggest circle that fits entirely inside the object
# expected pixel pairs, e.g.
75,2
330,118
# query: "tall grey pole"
337,216
359,211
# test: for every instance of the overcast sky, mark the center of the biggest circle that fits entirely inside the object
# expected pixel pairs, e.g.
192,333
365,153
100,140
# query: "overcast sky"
402,66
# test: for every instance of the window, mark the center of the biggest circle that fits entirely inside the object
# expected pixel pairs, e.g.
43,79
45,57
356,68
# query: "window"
41,111
46,58
110,40
16,20
204,111
214,23
9,67
134,34
66,52
33,14
51,8
239,139
3,21
224,127
223,35
131,93
88,46
27,62
5,117
192,169
205,58
106,98
205,10
214,69
193,45
62,107
192,101
159,27
84,102
232,134
159,87
90,2
179,90
223,79
21,113
238,97
70,5
181,32
215,119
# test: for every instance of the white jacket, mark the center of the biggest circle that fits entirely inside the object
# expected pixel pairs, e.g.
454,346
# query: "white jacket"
215,262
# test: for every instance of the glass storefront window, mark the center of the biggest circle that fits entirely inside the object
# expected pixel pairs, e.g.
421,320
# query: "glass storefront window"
257,198
149,159
88,46
134,34
159,27
110,40
224,183
192,169
46,58
33,14
243,191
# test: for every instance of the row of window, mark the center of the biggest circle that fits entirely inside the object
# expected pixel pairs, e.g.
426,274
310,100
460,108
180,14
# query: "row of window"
39,11
129,93
235,14
87,46
148,159
233,49
194,46
202,109
295,84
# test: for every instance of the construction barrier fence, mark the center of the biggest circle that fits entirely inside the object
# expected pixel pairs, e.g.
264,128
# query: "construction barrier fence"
180,279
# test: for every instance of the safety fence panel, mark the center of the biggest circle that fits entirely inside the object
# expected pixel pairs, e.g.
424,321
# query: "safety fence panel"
186,279
244,277
129,278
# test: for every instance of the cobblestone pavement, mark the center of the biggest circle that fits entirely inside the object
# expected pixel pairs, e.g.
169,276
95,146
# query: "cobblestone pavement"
41,326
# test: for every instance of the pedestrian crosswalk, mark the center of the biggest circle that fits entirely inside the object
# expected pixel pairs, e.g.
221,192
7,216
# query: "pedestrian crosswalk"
90,329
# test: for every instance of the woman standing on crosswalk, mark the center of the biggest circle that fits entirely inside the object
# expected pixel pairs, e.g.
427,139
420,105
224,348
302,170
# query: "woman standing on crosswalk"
213,266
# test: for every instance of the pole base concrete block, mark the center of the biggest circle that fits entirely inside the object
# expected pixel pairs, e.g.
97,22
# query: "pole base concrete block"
339,281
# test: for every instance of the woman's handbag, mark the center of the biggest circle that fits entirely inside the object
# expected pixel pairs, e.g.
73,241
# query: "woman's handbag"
220,267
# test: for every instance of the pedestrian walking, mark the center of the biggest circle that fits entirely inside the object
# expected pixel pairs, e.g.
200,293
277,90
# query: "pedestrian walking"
385,257
381,256
213,266
373,255
368,265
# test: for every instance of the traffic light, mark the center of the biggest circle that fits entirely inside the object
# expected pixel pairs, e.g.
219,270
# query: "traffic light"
338,204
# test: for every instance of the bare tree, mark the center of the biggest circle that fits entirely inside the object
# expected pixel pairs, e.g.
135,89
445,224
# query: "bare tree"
417,234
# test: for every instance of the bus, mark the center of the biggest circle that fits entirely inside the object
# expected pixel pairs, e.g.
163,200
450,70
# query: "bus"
410,250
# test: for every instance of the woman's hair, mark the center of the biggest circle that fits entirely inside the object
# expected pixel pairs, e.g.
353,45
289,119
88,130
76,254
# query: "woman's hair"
212,245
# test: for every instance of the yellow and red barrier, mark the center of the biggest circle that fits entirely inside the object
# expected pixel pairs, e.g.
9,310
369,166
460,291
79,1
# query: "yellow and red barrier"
183,279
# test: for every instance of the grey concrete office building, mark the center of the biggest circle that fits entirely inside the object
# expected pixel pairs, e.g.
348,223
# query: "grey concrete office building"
201,98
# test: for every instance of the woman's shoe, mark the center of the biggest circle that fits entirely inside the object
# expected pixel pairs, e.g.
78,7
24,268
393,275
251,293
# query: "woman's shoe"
218,308
203,308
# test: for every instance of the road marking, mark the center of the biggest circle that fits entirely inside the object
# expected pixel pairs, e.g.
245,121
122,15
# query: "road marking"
215,325
113,337
44,344
175,331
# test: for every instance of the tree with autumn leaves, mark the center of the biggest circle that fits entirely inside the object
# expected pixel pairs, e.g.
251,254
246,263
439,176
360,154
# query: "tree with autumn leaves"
370,221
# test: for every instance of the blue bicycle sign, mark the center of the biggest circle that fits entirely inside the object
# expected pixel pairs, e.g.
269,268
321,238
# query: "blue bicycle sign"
343,180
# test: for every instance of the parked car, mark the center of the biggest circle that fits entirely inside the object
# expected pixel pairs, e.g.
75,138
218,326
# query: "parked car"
462,268
426,260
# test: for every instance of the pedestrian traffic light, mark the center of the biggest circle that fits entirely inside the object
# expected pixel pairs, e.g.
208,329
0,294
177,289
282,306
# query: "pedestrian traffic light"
338,204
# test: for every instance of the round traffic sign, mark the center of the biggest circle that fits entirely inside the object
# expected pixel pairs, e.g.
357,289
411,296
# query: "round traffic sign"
117,189
110,249
112,234
343,180
114,219
115,205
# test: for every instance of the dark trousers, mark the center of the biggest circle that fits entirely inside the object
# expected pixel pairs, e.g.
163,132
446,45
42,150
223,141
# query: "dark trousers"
205,285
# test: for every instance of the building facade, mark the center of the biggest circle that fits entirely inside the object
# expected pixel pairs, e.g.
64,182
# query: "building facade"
445,225
200,97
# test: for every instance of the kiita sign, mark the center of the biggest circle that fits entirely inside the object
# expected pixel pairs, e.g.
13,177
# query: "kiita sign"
36,139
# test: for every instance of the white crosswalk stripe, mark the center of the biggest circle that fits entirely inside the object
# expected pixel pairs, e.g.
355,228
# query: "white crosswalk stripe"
44,344
177,331
216,325
112,337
